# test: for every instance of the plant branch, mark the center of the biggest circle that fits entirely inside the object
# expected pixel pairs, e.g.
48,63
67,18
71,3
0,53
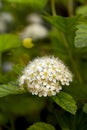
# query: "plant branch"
53,7
70,7
0,62
61,120
12,125
79,78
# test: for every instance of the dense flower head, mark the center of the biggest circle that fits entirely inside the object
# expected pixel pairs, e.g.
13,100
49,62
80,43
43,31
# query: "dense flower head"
45,76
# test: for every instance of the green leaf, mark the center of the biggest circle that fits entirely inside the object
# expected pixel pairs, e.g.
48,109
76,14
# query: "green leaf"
82,10
8,41
79,121
85,108
9,89
41,126
62,23
77,90
33,3
66,101
81,35
66,28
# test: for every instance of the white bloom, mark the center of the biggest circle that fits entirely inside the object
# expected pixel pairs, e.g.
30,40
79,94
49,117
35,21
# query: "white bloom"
34,18
34,31
45,76
6,17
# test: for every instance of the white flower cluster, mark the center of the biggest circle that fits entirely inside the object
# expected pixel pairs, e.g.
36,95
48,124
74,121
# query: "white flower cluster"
45,76
35,30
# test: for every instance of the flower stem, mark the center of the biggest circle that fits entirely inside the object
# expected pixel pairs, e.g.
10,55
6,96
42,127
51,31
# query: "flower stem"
12,125
61,119
70,7
79,78
53,7
0,62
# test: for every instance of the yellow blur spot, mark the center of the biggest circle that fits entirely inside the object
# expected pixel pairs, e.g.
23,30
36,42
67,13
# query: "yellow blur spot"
27,43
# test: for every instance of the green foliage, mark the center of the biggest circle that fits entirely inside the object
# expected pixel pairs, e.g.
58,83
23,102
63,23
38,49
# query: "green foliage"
22,104
3,119
85,108
41,126
66,101
79,121
9,89
63,34
66,25
82,10
33,3
9,41
78,91
81,35
67,39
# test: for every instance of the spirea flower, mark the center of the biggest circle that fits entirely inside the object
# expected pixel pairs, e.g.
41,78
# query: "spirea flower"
45,76
35,31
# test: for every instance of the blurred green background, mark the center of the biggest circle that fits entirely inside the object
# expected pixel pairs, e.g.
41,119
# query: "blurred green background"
20,19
